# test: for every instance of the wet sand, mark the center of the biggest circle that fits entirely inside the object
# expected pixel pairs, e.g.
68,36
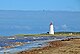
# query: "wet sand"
70,46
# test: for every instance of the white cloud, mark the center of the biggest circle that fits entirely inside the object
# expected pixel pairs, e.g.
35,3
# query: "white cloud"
64,26
21,27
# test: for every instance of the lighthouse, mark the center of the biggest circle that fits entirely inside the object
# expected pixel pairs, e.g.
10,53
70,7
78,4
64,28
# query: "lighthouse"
51,29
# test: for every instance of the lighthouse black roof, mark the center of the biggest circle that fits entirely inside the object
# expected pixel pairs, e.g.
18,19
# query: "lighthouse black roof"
51,23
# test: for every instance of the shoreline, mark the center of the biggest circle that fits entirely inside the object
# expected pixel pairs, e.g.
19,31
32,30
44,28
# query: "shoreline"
67,46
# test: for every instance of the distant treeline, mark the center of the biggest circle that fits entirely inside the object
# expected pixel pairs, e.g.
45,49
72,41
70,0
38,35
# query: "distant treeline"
67,32
63,33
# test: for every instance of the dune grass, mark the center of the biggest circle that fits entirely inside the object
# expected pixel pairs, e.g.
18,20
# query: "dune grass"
56,34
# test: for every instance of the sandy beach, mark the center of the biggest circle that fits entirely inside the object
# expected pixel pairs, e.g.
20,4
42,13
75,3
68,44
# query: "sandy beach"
70,46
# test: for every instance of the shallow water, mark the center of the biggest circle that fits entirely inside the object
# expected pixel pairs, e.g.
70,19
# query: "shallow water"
33,42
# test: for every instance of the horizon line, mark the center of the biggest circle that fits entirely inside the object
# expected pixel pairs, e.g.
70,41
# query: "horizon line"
41,10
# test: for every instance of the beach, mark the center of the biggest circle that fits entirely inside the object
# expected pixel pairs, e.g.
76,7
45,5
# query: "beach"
68,46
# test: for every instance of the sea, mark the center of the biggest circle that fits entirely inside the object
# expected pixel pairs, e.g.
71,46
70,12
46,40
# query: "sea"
14,22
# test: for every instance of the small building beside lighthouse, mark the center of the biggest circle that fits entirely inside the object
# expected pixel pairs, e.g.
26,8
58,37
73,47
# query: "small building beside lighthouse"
51,29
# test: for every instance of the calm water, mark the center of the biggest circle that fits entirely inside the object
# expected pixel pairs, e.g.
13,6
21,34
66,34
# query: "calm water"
24,22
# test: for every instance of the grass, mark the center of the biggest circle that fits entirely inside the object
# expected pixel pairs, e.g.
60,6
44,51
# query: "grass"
56,34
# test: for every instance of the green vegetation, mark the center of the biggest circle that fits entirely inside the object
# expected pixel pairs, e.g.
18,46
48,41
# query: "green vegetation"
56,34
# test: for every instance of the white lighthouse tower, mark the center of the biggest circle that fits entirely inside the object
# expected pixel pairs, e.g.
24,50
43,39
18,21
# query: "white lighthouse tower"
51,29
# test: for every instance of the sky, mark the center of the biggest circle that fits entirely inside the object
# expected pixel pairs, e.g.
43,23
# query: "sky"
64,5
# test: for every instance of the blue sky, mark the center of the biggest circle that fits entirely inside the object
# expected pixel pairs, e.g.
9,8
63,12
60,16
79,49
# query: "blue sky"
68,5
